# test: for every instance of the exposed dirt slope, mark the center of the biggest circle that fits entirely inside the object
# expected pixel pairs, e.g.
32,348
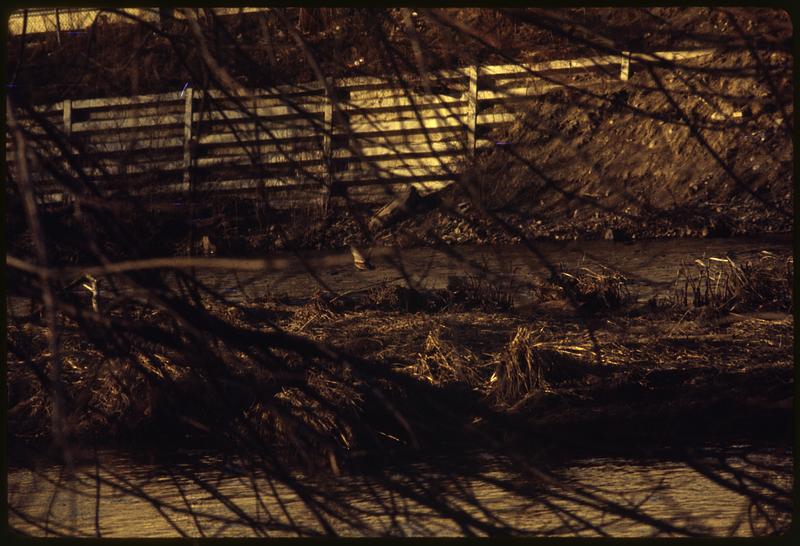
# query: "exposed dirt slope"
702,150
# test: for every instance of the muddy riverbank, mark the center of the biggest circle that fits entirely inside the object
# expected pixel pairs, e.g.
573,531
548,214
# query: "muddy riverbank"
582,356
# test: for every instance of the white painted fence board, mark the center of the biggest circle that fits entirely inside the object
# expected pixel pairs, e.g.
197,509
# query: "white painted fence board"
394,172
427,187
247,136
494,118
671,55
404,148
260,149
264,126
360,83
265,152
271,183
115,168
101,114
436,164
423,102
405,125
125,101
455,135
147,121
533,69
559,78
152,143
132,140
457,112
273,160
397,93
265,114
483,143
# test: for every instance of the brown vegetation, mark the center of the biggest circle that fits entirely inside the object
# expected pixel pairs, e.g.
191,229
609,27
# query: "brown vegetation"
157,394
720,285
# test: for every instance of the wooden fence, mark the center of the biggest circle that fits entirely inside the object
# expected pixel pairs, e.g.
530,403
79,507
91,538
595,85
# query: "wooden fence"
369,136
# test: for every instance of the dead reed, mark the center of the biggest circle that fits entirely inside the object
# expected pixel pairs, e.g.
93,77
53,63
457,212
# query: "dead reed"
722,285
533,363
477,292
593,291
392,297
442,361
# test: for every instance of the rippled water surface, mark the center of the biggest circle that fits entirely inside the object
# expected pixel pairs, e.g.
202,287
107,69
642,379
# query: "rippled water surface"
741,493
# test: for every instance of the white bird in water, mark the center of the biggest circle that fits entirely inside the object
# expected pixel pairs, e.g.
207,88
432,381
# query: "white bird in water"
91,286
359,260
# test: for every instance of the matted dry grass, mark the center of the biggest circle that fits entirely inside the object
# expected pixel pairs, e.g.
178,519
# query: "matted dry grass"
593,291
511,364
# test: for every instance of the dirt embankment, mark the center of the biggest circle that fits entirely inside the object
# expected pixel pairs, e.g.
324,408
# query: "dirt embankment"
704,150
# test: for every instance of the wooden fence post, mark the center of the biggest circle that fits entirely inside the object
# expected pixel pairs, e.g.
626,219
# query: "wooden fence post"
67,108
187,138
472,108
625,67
58,28
327,141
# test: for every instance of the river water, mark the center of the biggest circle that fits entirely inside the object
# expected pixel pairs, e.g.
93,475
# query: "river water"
738,491
650,266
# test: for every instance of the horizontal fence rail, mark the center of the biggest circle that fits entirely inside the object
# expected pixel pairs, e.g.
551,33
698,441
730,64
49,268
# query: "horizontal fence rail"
364,137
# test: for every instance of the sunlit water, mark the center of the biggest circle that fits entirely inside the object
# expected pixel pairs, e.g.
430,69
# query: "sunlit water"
589,497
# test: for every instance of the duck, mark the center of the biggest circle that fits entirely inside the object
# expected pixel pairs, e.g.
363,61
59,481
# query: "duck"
359,260
209,248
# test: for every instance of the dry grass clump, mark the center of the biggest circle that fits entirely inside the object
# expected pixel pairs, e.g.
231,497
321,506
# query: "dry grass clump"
328,304
593,291
441,361
126,394
474,292
28,406
104,396
322,306
471,292
722,285
323,406
392,297
531,364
